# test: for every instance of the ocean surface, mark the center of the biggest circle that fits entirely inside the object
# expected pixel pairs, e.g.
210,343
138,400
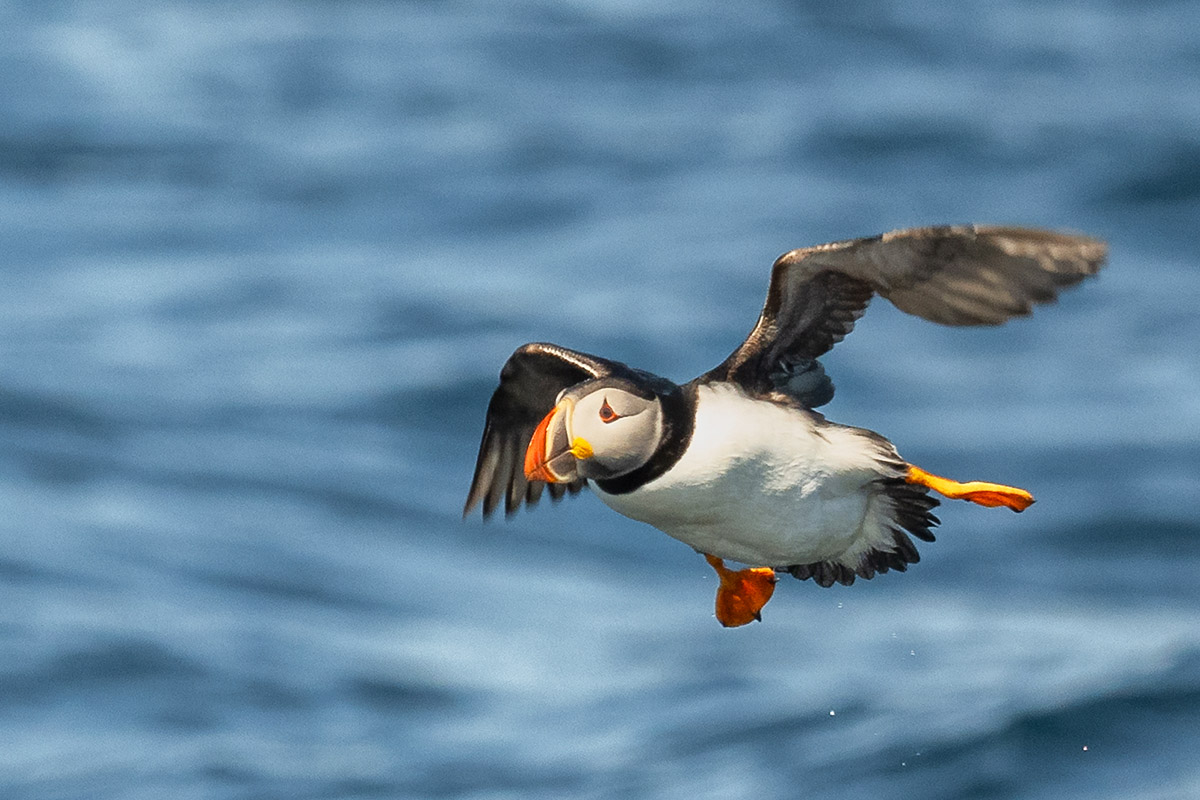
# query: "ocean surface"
262,262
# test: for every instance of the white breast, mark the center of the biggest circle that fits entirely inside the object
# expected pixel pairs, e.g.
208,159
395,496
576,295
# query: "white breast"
765,485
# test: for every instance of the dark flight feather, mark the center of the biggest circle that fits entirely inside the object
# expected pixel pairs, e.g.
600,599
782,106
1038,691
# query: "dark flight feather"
953,275
530,382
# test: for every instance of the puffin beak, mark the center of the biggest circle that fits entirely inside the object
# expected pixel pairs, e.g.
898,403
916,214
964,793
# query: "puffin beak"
552,453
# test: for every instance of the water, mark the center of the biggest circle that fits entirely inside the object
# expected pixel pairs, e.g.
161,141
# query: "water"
264,260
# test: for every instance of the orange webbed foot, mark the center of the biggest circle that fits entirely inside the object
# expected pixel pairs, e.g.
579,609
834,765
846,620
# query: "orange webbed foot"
985,494
742,593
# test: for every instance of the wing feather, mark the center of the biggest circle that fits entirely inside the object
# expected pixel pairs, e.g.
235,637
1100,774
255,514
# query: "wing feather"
530,382
953,275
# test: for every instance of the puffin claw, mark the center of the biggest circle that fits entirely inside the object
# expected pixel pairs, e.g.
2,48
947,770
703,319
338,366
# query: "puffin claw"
741,593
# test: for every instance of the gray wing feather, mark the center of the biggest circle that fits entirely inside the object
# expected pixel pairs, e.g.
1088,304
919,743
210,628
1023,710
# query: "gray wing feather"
953,275
974,274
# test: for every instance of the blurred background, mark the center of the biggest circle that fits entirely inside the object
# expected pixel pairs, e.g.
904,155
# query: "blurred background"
263,262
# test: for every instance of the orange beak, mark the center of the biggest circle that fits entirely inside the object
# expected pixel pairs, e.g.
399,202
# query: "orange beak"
548,457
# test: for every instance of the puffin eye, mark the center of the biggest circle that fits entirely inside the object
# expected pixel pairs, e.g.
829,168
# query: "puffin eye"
607,414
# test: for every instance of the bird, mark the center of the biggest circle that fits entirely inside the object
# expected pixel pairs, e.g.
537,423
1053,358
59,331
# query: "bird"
737,462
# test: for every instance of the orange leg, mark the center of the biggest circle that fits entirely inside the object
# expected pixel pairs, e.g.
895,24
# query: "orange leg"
985,494
742,593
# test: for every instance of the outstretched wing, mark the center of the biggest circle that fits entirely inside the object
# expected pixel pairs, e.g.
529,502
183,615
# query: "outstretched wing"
953,275
530,383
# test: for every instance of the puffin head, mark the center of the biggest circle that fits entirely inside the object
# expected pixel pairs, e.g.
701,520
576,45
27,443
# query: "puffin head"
598,429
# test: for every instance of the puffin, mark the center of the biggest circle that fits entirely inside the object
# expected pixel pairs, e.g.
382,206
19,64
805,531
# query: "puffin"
737,462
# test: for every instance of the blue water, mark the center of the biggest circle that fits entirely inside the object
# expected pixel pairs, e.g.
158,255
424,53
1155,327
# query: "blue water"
262,263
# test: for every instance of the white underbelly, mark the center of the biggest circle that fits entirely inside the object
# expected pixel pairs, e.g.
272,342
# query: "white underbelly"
758,484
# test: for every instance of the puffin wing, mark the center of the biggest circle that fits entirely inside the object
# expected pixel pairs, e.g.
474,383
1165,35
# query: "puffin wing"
530,382
953,275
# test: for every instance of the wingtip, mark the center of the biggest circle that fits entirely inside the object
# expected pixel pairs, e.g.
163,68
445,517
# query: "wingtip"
474,498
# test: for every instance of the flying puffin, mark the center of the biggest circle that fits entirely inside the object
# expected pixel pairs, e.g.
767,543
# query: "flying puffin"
736,462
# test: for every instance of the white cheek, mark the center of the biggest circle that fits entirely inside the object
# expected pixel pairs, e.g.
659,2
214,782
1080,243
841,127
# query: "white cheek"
633,441
590,430
596,433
